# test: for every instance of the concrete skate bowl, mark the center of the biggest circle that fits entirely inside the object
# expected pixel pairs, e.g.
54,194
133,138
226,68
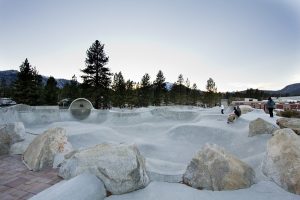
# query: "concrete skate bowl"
174,114
81,108
199,135
30,115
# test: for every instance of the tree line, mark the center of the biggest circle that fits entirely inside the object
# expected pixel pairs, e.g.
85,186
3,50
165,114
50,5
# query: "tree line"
106,89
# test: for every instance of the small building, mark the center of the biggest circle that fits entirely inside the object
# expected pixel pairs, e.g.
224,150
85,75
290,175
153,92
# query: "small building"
250,100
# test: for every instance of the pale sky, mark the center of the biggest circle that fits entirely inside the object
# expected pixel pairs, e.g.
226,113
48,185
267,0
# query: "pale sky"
238,43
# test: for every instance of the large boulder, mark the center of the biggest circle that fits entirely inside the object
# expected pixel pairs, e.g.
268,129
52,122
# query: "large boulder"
245,109
282,160
121,167
82,187
260,126
41,151
214,169
10,134
292,123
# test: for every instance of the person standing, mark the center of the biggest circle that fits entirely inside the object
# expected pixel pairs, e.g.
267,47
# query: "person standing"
270,106
222,109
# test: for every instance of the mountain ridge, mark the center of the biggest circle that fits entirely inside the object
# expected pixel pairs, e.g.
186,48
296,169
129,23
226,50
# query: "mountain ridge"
9,76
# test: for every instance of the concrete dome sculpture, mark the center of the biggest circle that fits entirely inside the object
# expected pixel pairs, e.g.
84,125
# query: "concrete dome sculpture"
81,108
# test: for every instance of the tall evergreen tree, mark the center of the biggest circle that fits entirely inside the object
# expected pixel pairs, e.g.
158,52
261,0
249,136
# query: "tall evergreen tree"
97,77
159,88
211,86
145,89
180,86
28,86
119,90
187,91
51,91
211,94
131,98
194,94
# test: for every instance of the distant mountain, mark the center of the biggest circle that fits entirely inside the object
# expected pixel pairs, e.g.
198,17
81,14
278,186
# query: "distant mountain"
291,90
9,76
169,86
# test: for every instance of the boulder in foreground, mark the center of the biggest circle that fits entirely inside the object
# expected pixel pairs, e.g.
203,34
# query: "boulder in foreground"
260,126
214,169
41,151
121,167
282,160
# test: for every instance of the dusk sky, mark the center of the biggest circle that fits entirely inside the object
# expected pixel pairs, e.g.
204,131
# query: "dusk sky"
239,43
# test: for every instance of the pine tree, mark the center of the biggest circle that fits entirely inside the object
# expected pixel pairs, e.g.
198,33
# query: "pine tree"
145,89
28,86
159,88
97,77
119,90
194,94
131,99
187,91
180,86
210,96
211,86
51,91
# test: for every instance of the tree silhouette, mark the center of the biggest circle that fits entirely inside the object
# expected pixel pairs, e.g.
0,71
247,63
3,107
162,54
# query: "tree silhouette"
159,88
119,90
180,85
210,96
144,91
51,91
96,76
28,86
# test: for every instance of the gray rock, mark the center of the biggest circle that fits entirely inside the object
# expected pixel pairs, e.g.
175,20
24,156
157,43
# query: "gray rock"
260,126
10,134
19,148
41,151
282,160
214,169
120,167
292,123
245,109
82,187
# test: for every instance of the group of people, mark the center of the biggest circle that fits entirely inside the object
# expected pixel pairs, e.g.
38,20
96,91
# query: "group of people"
237,111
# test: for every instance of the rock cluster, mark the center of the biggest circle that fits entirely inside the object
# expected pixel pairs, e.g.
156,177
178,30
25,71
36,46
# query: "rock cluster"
292,123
